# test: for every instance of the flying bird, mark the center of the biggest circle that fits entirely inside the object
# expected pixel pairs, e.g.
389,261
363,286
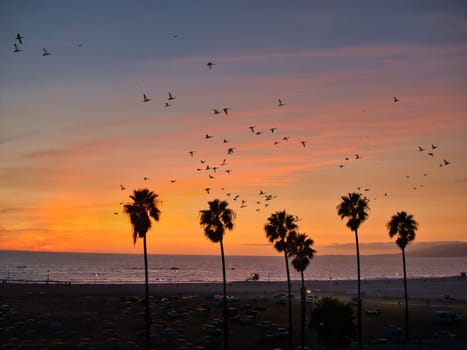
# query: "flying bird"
191,153
395,99
226,110
145,98
173,181
272,130
226,141
303,143
216,111
431,154
420,149
208,190
45,52
17,48
122,187
446,162
146,178
280,104
19,38
210,65
252,128
230,150
285,138
208,136
357,156
171,97
434,146
167,105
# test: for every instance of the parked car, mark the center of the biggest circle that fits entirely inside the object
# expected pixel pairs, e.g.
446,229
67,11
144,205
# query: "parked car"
447,317
373,311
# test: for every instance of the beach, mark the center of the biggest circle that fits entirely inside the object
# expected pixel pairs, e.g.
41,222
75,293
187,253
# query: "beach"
185,315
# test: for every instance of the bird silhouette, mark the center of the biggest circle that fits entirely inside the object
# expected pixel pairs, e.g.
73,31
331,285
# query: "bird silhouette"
420,149
431,154
230,150
122,187
210,65
303,143
252,128
207,136
395,99
17,48
226,141
357,156
167,104
286,138
45,52
145,98
226,110
191,153
216,111
272,130
280,104
171,97
146,178
434,146
208,190
446,162
19,38
173,181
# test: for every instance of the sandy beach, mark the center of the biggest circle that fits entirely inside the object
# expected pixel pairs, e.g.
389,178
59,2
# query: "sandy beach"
72,316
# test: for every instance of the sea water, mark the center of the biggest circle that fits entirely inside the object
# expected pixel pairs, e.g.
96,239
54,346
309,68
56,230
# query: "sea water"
129,268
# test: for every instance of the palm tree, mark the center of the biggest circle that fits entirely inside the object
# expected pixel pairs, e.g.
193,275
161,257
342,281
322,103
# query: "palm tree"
299,247
355,208
404,226
278,228
143,207
215,221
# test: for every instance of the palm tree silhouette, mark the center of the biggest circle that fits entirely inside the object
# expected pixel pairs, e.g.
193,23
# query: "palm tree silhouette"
299,247
355,208
143,207
404,226
215,221
278,228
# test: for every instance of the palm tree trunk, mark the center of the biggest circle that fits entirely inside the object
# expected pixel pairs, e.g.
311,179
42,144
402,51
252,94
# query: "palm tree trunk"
147,312
289,289
359,306
225,311
406,299
303,309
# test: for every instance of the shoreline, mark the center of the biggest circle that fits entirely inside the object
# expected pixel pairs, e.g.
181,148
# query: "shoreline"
447,288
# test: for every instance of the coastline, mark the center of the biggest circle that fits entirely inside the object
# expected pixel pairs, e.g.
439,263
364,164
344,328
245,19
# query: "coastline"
418,288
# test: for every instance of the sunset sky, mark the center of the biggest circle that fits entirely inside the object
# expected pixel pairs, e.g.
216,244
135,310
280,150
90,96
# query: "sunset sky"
74,127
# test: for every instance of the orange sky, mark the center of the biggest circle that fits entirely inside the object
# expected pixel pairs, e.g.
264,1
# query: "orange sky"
73,125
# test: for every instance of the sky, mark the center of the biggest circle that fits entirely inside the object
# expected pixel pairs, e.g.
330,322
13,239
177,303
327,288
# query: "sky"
74,127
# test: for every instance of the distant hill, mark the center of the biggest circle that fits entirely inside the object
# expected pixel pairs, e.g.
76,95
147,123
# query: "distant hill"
442,249
418,249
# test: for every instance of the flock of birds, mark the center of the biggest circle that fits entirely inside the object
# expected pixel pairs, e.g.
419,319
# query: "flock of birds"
213,170
18,48
263,198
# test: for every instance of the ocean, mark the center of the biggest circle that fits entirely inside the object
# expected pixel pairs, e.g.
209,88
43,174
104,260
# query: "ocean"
94,268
